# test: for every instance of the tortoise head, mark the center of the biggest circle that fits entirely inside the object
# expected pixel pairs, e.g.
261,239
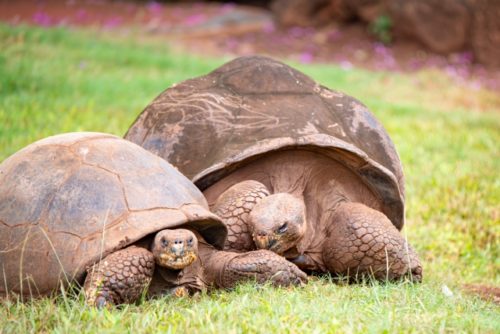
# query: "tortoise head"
175,249
278,222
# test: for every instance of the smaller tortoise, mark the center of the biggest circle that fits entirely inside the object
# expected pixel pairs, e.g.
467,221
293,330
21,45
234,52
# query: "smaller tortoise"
290,166
124,275
90,200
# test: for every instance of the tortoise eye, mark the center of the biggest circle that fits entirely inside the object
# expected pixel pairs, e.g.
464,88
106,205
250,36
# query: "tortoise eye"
164,242
282,229
190,240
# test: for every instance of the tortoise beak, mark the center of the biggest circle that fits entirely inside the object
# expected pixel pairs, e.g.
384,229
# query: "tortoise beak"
271,243
261,240
267,242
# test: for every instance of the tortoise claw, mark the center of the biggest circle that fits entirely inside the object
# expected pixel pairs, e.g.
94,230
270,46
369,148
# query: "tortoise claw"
101,302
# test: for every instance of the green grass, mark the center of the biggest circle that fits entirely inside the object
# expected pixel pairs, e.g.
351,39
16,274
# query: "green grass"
448,137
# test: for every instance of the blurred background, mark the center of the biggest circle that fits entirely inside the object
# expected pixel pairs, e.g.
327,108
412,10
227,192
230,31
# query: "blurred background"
462,37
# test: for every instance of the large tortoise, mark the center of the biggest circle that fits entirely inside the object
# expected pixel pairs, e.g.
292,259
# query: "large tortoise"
95,201
256,127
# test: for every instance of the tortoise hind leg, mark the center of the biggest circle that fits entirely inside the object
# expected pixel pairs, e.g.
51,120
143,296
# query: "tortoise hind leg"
120,277
233,207
362,241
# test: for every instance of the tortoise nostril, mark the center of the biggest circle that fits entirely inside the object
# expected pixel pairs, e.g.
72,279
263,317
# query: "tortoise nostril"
261,234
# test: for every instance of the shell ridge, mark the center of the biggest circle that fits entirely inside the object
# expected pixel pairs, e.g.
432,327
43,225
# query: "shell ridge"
117,175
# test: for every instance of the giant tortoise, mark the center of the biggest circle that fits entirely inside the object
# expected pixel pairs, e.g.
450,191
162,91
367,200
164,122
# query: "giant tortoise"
290,166
92,201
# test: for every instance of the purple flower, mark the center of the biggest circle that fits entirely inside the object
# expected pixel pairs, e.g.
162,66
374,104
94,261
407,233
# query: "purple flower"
346,65
231,44
334,35
493,84
475,85
380,48
269,28
415,64
42,19
306,57
113,22
154,7
385,58
194,19
436,61
298,32
81,15
227,7
464,58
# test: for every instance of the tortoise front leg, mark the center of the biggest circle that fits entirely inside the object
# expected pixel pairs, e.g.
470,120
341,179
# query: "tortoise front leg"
261,266
227,269
233,207
362,241
120,277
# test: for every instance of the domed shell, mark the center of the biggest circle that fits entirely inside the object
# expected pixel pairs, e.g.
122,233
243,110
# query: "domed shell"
211,125
67,201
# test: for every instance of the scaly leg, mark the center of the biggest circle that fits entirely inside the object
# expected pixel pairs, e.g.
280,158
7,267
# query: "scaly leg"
362,241
120,277
233,206
227,269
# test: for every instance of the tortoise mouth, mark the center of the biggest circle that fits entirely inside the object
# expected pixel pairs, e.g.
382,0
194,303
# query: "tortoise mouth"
175,261
276,247
275,243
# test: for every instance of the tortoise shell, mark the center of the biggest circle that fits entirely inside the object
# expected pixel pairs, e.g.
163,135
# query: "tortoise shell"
67,201
212,125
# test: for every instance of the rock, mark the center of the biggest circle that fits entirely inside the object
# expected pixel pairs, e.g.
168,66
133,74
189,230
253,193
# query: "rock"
310,12
486,32
443,26
320,12
368,10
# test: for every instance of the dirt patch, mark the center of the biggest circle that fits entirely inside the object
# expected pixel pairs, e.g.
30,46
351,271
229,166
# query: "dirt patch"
485,292
228,29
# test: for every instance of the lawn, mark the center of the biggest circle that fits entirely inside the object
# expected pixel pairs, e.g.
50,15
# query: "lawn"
447,134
